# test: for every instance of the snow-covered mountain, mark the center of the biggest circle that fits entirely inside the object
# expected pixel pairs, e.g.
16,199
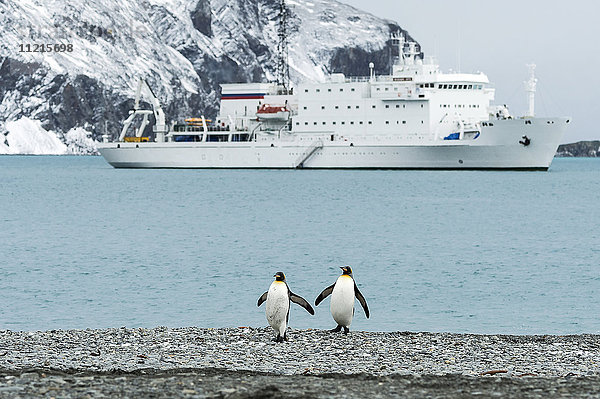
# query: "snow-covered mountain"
58,102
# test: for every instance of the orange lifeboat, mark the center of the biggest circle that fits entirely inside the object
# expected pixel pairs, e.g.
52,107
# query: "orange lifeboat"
273,112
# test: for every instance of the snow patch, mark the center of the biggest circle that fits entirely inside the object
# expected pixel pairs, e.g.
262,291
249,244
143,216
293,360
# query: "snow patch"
79,142
27,136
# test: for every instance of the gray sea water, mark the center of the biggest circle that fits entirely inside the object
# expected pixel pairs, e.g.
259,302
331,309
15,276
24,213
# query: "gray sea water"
83,245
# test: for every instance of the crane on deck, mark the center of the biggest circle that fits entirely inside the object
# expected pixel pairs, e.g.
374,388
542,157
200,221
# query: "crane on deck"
160,128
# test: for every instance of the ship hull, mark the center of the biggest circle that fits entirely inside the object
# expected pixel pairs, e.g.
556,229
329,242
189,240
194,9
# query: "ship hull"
497,148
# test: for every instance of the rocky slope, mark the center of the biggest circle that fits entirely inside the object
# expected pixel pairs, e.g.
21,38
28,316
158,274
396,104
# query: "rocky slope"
580,149
185,48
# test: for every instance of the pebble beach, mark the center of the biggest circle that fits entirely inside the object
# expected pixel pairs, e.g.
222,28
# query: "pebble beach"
245,362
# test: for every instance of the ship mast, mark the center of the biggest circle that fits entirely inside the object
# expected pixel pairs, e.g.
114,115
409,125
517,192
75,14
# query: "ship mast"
283,67
530,87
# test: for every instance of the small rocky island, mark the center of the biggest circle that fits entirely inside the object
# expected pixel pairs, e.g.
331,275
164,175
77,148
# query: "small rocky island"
580,149
246,363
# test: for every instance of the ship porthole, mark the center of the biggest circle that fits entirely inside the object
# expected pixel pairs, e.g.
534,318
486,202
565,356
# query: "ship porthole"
137,146
460,161
118,145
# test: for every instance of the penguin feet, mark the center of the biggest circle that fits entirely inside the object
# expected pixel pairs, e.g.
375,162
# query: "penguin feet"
337,329
346,329
279,338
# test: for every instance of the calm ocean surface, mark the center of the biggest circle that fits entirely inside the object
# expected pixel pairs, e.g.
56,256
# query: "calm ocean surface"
85,245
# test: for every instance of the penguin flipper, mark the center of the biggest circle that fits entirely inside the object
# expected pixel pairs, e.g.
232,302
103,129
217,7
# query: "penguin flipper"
361,299
262,298
326,292
302,302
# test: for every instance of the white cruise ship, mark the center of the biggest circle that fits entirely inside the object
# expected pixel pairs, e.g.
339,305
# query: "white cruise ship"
416,118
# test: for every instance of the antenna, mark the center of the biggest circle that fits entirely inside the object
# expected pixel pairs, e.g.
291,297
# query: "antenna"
283,67
399,40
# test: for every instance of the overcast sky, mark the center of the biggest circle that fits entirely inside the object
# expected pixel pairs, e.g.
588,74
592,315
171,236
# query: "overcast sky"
500,37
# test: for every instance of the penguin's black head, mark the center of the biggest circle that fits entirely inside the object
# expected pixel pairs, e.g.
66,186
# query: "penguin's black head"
279,276
346,270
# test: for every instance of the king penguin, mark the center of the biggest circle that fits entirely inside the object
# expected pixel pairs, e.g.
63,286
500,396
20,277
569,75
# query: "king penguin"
342,294
278,300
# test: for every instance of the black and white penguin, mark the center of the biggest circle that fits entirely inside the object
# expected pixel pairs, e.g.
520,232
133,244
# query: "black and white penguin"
278,300
342,294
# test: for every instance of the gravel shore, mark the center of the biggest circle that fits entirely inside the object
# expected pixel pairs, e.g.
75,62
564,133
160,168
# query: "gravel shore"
245,362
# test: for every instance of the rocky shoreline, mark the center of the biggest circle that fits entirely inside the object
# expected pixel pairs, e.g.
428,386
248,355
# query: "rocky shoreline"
245,362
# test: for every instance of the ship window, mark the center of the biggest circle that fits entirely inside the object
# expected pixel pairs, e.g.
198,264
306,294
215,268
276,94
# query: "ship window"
370,122
403,105
460,87
357,107
421,86
397,105
297,123
404,122
387,89
341,89
352,122
373,106
421,105
360,123
422,122
217,137
387,105
343,123
387,122
337,107
329,90
322,107
349,106
439,86
455,86
333,123
240,137
324,123
315,123
445,86
306,123
352,89
470,87
306,90
305,108
318,90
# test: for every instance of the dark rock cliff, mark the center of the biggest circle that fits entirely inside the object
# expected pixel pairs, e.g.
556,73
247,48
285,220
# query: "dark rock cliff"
579,149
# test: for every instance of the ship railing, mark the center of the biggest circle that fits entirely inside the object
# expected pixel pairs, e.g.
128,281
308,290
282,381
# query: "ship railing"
382,78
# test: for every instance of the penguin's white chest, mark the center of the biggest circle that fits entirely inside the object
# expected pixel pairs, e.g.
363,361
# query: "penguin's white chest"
278,306
342,301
